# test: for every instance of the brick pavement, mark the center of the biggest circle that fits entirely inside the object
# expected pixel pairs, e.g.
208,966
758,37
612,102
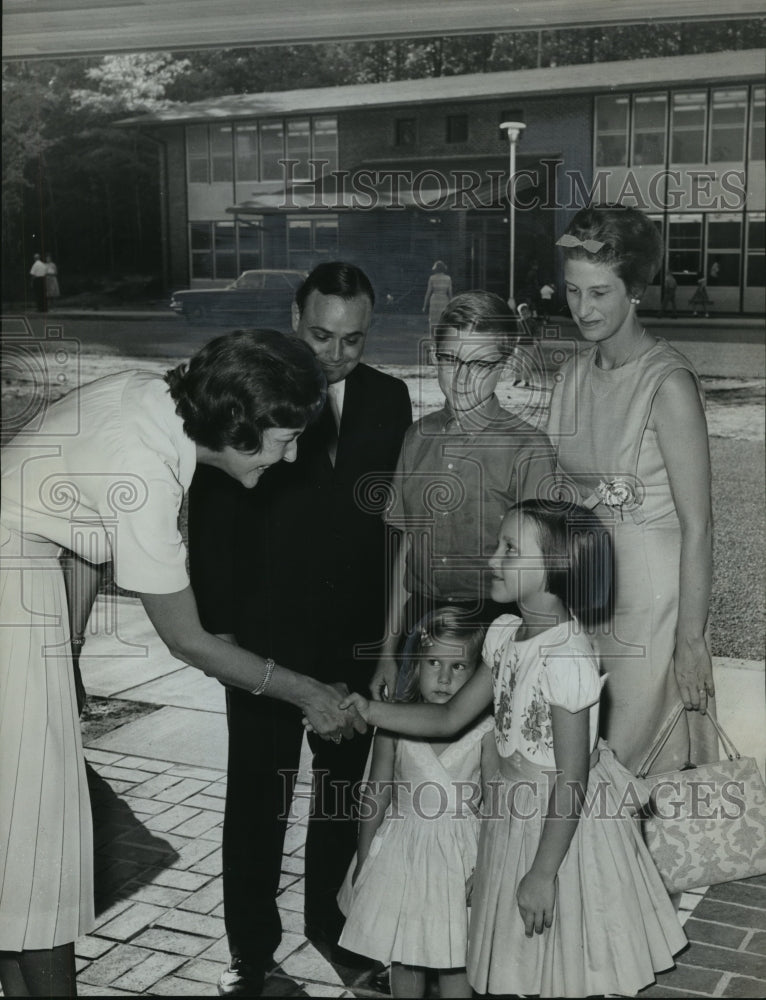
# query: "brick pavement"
160,924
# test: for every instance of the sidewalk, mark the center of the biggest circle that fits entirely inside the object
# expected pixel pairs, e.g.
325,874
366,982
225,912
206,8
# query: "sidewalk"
158,787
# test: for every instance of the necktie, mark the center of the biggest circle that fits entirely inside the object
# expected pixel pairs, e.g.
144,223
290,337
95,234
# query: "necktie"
332,425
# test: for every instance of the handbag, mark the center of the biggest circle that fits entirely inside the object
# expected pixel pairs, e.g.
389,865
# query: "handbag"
706,823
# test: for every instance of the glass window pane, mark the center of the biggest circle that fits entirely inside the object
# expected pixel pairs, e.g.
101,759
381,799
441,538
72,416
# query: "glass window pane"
757,124
225,256
246,143
200,237
649,123
688,127
756,234
724,235
685,247
250,243
221,152
272,151
197,154
326,236
756,270
326,142
200,241
727,125
299,234
299,148
612,131
723,269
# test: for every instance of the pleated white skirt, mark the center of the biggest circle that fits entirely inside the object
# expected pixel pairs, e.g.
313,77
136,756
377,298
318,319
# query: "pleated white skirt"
46,835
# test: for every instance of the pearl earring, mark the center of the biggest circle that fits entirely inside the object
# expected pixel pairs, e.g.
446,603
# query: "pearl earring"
635,302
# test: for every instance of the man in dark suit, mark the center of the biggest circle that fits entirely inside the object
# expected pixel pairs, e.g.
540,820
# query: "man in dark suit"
297,571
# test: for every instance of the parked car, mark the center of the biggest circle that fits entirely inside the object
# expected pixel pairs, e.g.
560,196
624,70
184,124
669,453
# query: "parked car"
259,298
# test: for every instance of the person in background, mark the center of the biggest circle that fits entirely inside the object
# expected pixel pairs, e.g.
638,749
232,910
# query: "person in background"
547,295
38,273
669,288
299,574
52,290
438,293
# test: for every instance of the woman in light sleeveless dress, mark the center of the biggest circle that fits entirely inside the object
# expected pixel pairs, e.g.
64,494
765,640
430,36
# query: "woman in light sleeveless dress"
628,424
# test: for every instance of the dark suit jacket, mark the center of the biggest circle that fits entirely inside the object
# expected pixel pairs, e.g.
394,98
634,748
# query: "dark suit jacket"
296,568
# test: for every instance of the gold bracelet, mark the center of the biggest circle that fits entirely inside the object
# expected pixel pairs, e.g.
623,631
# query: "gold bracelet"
260,688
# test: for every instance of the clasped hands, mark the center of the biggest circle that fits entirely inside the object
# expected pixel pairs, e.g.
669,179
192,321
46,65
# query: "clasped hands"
331,717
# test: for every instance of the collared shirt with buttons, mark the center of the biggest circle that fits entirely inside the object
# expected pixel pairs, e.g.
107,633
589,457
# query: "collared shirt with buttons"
456,477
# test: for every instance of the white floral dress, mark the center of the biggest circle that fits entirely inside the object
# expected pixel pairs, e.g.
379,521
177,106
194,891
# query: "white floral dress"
613,925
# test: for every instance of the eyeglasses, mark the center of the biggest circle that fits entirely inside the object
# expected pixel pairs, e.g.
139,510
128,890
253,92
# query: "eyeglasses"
472,364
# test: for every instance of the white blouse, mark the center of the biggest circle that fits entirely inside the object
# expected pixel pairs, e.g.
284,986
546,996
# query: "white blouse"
556,668
104,474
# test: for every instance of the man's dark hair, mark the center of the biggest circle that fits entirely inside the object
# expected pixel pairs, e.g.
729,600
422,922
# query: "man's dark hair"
239,385
335,277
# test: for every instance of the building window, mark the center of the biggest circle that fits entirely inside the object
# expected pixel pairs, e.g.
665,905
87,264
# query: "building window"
612,131
299,148
757,123
688,127
221,250
221,153
650,114
197,154
310,241
201,243
724,249
250,244
246,150
325,136
457,128
755,275
728,117
685,247
272,151
404,132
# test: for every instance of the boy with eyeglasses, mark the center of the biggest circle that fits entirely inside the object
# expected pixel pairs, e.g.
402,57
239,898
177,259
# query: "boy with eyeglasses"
459,471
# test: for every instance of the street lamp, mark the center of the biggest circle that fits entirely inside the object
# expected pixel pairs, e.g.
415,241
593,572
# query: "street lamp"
513,130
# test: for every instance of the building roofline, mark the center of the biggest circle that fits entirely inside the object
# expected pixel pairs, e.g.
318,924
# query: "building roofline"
701,69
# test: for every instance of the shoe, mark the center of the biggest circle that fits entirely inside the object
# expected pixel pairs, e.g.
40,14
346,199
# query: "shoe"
241,980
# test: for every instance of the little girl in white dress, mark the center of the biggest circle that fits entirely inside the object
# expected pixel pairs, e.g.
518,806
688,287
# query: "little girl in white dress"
405,893
567,900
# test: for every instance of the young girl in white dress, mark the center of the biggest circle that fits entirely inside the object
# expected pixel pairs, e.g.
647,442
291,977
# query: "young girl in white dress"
405,893
566,900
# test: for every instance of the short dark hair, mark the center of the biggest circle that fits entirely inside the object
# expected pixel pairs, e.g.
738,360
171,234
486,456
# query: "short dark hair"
335,277
632,243
481,313
240,384
577,548
449,625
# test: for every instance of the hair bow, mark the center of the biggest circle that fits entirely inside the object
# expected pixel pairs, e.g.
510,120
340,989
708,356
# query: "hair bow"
567,240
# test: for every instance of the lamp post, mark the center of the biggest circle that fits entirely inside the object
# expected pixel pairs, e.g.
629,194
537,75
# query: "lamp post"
513,130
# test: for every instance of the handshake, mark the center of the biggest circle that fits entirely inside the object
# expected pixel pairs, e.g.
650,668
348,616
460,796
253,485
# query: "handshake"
334,719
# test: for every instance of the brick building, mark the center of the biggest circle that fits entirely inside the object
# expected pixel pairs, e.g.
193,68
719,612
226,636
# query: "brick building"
396,175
